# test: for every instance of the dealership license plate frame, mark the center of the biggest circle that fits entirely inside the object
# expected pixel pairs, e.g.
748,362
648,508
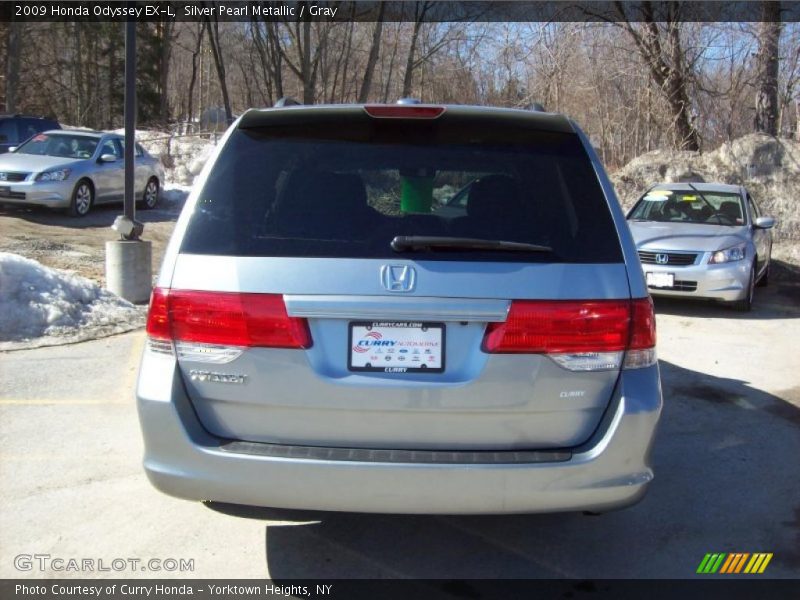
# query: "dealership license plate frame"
394,364
657,280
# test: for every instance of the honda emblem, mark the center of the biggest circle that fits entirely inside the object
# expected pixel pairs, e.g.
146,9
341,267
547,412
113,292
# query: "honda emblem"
398,278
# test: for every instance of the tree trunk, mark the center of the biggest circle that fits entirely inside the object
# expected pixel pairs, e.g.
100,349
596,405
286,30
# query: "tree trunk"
374,50
166,29
769,33
13,46
193,80
408,77
219,63
664,56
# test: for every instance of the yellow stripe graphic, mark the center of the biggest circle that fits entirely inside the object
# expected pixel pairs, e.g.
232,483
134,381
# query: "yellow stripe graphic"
765,563
753,563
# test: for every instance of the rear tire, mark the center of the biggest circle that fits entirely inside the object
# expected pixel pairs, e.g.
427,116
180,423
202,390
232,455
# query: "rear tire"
746,303
150,195
82,199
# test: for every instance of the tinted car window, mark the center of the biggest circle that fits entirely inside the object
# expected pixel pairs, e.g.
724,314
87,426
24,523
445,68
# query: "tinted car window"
277,193
64,145
714,208
8,131
30,127
111,147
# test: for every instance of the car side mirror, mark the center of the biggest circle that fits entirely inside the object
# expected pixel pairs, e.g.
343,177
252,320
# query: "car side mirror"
107,158
764,222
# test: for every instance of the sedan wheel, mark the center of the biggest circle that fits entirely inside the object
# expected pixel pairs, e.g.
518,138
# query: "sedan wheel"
82,199
150,198
746,303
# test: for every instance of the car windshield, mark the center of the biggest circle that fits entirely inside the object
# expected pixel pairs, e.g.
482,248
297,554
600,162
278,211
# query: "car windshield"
63,145
311,193
689,206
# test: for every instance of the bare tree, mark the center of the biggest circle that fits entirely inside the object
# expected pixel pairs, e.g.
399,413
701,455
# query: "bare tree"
13,44
660,46
193,80
212,29
767,60
374,49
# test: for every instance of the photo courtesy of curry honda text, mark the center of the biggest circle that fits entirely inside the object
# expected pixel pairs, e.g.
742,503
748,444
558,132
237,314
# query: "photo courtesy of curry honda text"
329,331
75,170
703,240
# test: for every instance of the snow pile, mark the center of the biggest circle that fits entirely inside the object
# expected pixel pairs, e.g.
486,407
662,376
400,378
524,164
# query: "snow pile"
769,167
173,195
42,306
183,156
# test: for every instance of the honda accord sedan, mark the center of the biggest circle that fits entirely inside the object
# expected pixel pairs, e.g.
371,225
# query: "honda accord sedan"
702,240
75,170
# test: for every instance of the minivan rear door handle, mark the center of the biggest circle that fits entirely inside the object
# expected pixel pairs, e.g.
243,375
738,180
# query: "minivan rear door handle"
389,307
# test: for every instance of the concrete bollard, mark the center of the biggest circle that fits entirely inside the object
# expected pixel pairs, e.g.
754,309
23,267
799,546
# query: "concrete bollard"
129,273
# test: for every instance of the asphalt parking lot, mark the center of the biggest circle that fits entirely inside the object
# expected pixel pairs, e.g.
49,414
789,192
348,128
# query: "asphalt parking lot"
727,476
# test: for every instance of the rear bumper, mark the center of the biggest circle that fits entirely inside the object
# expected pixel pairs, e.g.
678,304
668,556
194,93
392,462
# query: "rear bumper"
727,281
610,471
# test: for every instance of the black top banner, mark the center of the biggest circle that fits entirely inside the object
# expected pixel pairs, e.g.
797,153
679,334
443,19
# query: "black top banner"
394,11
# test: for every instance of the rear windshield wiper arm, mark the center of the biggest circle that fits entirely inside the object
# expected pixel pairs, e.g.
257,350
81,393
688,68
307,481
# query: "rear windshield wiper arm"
403,243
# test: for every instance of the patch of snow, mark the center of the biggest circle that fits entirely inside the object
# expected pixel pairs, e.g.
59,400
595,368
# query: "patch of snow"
183,156
173,195
43,306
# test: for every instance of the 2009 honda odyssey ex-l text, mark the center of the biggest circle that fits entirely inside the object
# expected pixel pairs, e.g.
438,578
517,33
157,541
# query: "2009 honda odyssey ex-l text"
330,332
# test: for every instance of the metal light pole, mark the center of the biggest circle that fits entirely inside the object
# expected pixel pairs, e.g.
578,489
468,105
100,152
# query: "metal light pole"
128,260
130,120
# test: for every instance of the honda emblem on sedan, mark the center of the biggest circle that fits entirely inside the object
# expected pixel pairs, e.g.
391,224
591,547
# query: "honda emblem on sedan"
3,177
398,278
662,259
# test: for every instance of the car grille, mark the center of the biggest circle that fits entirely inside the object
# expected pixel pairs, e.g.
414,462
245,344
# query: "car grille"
674,259
6,193
680,286
4,176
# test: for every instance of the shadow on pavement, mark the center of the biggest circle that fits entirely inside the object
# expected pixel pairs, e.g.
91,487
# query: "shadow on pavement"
99,216
726,481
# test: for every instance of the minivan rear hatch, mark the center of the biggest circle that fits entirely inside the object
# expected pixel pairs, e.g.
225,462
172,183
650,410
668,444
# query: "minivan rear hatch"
444,279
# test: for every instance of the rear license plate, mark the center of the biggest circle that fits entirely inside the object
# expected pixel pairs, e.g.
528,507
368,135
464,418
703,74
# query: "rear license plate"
660,280
396,347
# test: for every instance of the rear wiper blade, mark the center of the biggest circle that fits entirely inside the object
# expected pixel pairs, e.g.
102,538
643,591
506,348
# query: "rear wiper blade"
403,243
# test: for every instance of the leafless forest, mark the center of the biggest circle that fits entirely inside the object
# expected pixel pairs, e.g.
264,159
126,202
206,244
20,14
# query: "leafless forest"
633,86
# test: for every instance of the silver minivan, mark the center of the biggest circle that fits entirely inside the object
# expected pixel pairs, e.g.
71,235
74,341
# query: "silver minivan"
330,331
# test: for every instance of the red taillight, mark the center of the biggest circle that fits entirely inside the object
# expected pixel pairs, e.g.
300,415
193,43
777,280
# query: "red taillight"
392,111
225,318
157,316
542,327
643,329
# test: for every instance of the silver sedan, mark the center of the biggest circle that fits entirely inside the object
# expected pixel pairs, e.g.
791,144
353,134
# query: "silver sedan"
76,170
702,240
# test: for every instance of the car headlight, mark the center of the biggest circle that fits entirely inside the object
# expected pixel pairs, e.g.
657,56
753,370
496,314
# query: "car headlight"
731,254
56,175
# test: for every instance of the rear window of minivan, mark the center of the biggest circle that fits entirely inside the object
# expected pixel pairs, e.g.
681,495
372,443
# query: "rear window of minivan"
345,190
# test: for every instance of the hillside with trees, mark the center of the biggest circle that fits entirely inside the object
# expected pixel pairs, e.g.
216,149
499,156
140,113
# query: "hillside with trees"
634,86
